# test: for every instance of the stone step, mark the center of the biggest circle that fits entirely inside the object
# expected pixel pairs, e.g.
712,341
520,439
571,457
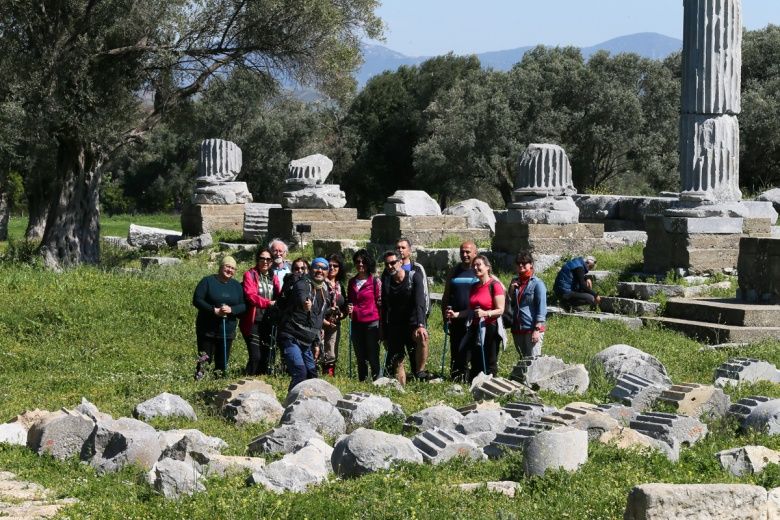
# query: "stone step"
628,321
724,311
715,333
630,306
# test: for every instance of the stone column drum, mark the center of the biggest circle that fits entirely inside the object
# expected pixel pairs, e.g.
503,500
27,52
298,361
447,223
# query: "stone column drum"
220,160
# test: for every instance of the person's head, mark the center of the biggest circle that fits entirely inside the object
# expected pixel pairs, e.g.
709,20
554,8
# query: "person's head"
468,250
590,262
392,262
336,269
481,266
364,262
319,269
263,260
404,248
278,250
524,262
227,267
300,266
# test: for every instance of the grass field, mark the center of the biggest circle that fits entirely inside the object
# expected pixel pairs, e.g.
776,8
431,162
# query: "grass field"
118,338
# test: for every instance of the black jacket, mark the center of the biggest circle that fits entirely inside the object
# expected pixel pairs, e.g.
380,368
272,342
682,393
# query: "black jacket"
299,324
404,303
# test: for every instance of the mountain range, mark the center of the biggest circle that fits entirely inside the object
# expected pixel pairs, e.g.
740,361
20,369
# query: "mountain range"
649,45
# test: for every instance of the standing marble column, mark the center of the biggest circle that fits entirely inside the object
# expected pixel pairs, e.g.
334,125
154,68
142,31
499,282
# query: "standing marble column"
710,100
543,187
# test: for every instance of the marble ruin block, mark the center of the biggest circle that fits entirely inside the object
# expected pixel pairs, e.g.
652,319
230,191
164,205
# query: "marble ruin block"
223,193
409,203
758,265
220,161
712,56
256,220
542,170
709,158
311,170
320,196
478,213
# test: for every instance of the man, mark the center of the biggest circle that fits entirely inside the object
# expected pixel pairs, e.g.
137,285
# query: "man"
457,288
301,324
404,249
402,313
571,287
281,266
528,303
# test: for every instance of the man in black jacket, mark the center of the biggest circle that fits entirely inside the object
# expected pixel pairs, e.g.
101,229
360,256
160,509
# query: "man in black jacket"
457,289
403,313
301,323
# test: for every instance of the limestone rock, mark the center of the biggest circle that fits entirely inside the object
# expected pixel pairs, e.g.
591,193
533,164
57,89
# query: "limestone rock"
583,416
439,445
286,438
164,405
551,373
742,408
158,261
646,290
482,426
618,360
440,416
485,386
515,438
761,209
712,501
478,213
223,193
178,444
362,410
174,478
253,407
13,433
505,487
765,417
620,412
118,443
696,400
322,196
565,448
405,203
637,392
147,237
365,451
256,220
389,382
90,410
197,243
313,388
311,170
544,169
322,416
297,471
627,438
527,411
210,464
773,196
675,430
740,370
242,386
747,459
220,161
62,435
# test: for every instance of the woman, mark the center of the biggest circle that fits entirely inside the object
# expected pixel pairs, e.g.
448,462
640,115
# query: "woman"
219,300
486,305
331,325
364,301
261,288
528,301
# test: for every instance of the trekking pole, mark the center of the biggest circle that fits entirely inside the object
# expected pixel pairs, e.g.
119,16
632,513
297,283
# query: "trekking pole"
350,347
224,344
444,347
481,341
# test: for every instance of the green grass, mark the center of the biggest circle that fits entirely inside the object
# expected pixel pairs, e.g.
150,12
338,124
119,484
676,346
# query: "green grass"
115,225
118,338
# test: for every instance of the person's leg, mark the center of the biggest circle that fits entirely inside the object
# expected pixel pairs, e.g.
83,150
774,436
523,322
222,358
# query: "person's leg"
576,299
359,346
205,354
328,356
491,348
420,354
526,347
372,350
265,333
395,352
458,366
307,355
293,359
253,350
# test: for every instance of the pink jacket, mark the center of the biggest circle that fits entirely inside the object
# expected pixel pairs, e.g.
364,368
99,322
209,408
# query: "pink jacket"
253,300
366,301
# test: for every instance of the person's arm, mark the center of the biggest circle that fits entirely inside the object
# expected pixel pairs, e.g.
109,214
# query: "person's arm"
540,305
199,297
240,306
445,296
499,300
581,284
251,295
419,298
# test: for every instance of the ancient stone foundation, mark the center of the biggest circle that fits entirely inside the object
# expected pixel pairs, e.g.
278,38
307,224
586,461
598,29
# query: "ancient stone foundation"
325,224
759,269
513,236
197,219
423,231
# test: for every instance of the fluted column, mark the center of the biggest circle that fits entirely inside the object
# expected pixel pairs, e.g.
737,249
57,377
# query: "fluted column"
542,170
710,100
220,161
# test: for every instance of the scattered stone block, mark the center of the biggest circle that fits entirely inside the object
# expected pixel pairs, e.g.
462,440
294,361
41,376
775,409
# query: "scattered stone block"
286,438
297,471
211,464
242,386
742,408
256,221
631,322
313,388
478,213
645,290
178,444
439,445
118,443
408,203
482,426
118,242
618,360
561,448
158,261
551,373
197,243
620,412
637,392
514,438
90,410
721,501
62,435
582,416
675,430
146,237
525,412
13,433
701,290
485,386
361,410
365,451
629,306
505,487
253,407
741,370
627,438
322,416
747,459
390,382
164,405
174,478
697,400
439,416
765,417
480,405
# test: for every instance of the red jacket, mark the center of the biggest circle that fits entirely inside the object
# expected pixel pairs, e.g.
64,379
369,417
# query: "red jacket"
253,300
366,301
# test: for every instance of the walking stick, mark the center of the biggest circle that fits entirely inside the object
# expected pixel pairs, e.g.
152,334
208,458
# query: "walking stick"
224,344
350,348
444,348
481,341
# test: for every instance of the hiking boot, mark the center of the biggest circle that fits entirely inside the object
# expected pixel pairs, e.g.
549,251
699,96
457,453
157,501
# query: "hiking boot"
424,375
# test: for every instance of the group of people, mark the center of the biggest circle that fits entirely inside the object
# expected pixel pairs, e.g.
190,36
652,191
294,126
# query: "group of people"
297,309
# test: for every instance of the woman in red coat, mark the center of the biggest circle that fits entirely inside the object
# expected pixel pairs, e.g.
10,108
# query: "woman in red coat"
257,325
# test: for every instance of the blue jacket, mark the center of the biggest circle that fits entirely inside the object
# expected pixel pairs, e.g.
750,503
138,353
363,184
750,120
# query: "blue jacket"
533,305
566,282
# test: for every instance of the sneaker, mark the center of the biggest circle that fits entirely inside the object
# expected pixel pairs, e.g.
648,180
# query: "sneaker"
424,375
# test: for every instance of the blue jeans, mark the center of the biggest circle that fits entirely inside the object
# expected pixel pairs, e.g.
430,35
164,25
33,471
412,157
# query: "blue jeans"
298,359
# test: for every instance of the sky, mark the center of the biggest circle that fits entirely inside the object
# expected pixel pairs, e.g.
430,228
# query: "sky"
432,27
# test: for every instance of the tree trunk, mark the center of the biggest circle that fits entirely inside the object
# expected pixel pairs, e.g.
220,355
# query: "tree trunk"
37,207
72,234
5,213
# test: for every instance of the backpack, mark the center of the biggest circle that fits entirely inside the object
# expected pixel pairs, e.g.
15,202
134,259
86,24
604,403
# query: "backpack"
508,318
418,267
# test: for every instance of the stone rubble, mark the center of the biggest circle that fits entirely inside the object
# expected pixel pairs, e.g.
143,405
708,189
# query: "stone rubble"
164,405
696,400
439,416
505,487
747,459
742,408
488,387
322,416
637,392
477,212
296,471
146,237
366,451
514,438
24,500
561,448
407,203
551,373
582,416
242,386
618,360
711,501
439,445
253,407
174,478
675,430
482,426
362,410
285,438
313,388
764,417
740,370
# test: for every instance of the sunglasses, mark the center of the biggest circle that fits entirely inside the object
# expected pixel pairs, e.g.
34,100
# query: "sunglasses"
264,259
319,268
299,269
334,266
388,264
